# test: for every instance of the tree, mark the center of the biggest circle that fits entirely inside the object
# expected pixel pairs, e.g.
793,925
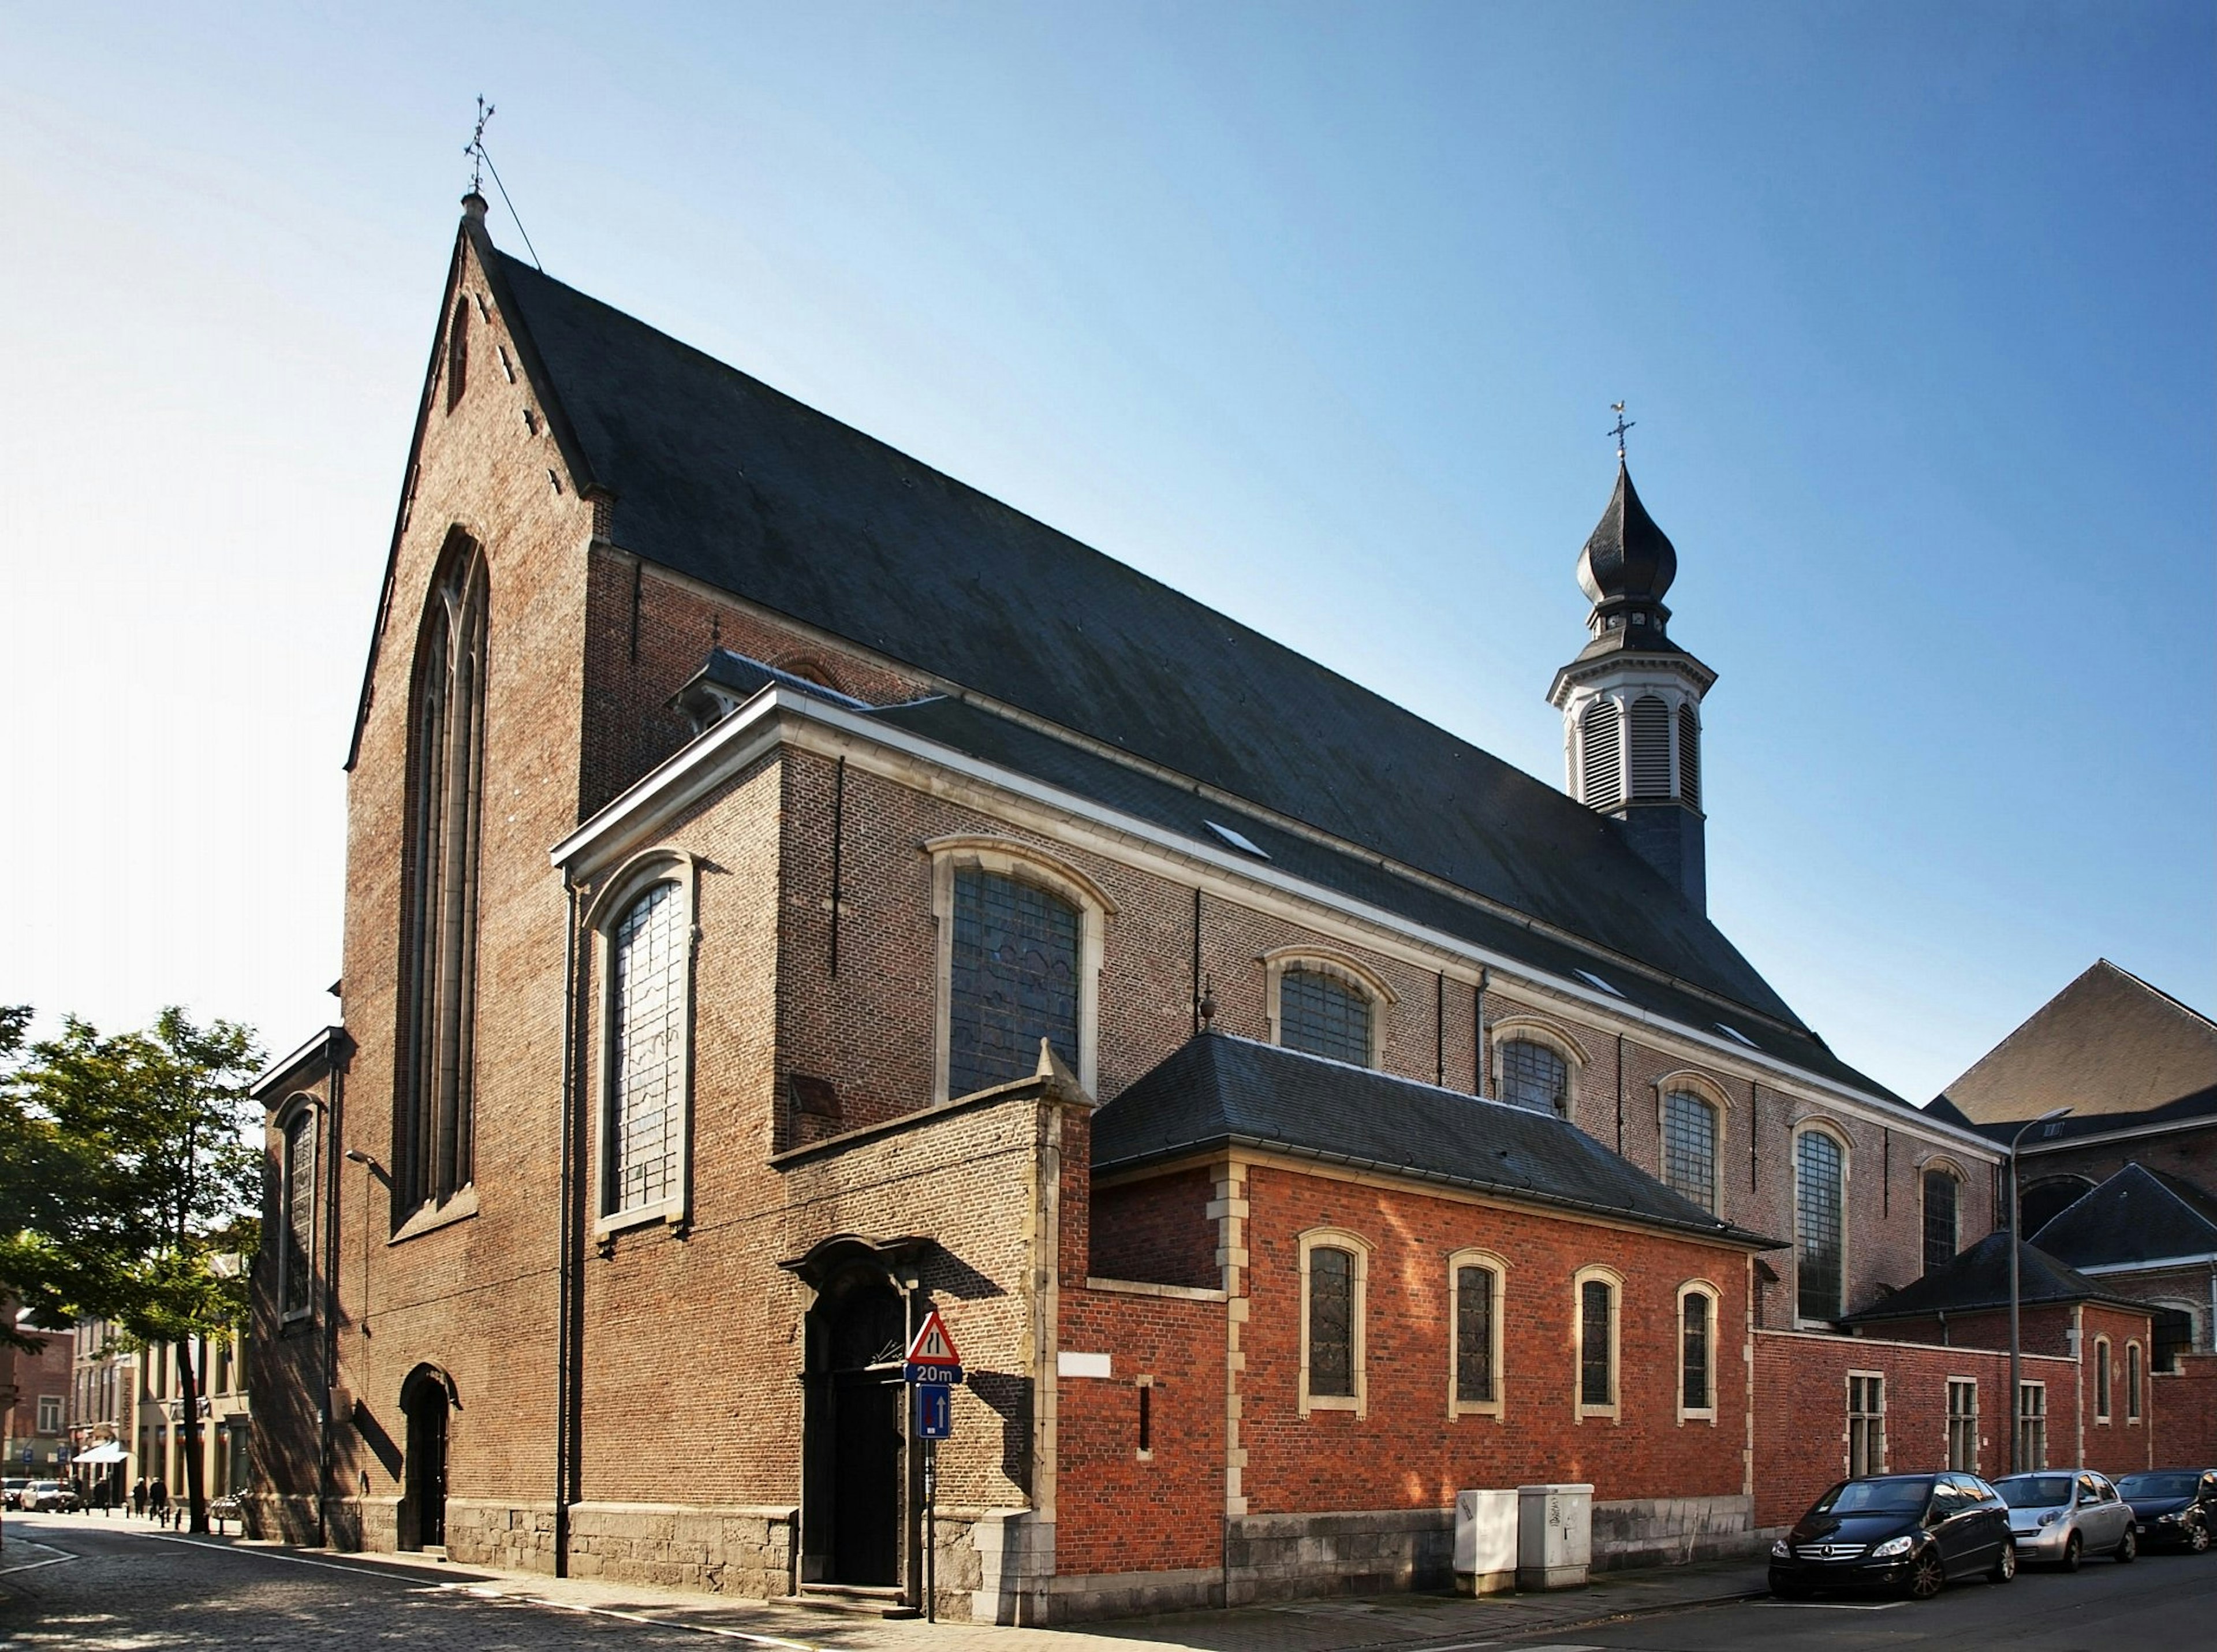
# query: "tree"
145,1179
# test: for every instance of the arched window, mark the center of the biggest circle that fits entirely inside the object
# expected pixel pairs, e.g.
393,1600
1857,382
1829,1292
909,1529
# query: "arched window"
1535,1076
1334,1269
1651,747
458,353
1475,1287
1689,1148
446,787
2101,1379
649,957
2049,1198
296,1217
2132,1382
1820,1256
1014,980
1941,1188
1602,770
1322,1015
1594,1303
1697,1343
1689,757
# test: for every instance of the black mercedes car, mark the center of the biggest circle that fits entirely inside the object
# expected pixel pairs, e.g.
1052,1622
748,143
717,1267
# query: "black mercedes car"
2174,1508
1912,1532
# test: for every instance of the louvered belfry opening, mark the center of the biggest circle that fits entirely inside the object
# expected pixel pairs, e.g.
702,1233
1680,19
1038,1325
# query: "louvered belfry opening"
1651,747
1602,769
1690,758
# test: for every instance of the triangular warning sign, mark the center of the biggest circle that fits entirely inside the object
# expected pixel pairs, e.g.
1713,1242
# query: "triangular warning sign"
933,1346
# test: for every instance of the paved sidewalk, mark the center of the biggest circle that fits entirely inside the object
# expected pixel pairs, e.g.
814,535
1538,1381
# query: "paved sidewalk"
1416,1622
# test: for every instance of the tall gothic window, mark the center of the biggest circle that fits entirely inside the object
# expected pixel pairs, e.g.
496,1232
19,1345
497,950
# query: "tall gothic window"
446,786
1324,1016
1474,1291
1939,1188
1535,1076
1603,777
1596,1344
1689,1148
1820,1258
296,1197
1650,746
1331,1321
648,960
1014,979
1697,1312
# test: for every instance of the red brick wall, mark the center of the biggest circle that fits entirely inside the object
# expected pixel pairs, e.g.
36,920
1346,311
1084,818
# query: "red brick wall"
2186,1409
1156,1229
2122,1444
1801,1397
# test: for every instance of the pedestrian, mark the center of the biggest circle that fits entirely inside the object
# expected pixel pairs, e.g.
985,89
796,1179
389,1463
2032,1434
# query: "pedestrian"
157,1499
138,1496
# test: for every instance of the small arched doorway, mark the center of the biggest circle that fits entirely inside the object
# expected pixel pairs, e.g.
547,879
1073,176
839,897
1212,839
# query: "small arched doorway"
427,1399
855,1501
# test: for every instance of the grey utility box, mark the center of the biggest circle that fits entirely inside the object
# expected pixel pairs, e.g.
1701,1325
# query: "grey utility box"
1486,1542
1554,1536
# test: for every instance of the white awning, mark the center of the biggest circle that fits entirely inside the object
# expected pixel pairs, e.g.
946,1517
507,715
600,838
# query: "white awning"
106,1451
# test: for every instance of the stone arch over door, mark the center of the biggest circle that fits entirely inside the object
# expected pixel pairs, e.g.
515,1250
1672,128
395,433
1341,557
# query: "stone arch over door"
428,1403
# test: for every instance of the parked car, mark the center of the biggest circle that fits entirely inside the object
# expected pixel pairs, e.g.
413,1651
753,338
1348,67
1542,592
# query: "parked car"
2056,1516
2172,1508
51,1497
11,1493
1912,1532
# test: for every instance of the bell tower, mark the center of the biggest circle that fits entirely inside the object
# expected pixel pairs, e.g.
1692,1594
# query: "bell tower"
1632,700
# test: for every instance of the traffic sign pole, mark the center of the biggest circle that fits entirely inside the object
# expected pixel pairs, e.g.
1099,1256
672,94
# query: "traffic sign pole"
930,1531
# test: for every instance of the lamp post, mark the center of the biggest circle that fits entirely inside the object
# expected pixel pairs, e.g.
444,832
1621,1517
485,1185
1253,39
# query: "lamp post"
2017,1238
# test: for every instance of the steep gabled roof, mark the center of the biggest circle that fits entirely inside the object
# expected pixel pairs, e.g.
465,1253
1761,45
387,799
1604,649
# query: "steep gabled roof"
2114,1049
2137,1216
720,477
1217,1090
1978,1278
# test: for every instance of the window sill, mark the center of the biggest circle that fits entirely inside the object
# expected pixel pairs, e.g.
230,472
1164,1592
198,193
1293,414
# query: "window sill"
645,1215
1475,1408
1331,1403
460,1205
1603,1412
1708,1415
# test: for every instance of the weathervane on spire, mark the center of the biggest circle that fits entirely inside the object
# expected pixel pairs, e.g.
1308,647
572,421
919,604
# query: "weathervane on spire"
1616,407
476,150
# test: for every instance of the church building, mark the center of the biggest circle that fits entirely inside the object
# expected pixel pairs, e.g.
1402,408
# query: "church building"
790,892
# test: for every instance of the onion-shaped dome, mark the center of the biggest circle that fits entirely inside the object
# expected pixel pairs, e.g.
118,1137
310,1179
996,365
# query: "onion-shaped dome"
1627,556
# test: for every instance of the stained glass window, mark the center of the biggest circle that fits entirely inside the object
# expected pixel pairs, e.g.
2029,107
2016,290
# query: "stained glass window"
1939,1219
1597,1355
1693,1353
1817,1254
647,1052
298,1191
1331,1321
1689,1148
1534,1076
1322,1015
1474,1333
1014,980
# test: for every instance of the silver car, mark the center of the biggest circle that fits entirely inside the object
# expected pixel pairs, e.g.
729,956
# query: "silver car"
2056,1516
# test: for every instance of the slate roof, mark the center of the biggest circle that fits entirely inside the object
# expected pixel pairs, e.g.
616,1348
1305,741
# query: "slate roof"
718,476
2137,1216
2115,1050
1218,1091
1978,1278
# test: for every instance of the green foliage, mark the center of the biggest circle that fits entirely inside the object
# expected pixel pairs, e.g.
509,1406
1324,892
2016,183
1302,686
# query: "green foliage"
127,1173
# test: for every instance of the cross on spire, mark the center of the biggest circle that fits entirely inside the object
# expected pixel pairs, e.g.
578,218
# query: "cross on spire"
476,150
1622,426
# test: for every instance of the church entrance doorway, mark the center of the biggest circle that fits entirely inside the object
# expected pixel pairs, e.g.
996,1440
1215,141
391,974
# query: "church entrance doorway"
425,1401
853,1446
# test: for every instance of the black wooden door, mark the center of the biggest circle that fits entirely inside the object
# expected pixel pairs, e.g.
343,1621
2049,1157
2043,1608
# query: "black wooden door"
866,1511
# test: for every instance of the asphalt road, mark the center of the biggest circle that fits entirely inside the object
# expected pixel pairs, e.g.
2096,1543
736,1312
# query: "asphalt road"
2166,1603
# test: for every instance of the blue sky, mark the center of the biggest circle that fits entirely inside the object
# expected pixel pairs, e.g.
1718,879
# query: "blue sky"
1315,311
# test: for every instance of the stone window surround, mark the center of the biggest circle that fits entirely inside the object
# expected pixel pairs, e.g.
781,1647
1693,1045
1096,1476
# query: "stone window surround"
1710,1291
1027,862
1473,1257
295,1108
1823,1124
1613,1410
1688,1080
1520,1023
1344,968
1358,1312
610,905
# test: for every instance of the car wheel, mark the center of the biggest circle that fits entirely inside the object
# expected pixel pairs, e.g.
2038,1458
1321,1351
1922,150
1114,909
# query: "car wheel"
2069,1561
2127,1550
1927,1576
2197,1539
2004,1566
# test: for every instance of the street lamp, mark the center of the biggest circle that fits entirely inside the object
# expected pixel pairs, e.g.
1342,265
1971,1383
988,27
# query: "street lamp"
2017,1238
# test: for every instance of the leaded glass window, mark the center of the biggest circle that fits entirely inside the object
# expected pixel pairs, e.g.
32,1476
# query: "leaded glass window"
298,1193
649,962
1331,1321
1597,1355
1474,1289
1689,1148
1535,1076
1322,1015
1866,1425
1014,980
2101,1379
1694,1351
2132,1382
1939,1219
1818,1256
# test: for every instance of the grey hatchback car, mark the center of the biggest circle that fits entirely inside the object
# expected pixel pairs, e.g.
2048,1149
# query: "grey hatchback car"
2058,1516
